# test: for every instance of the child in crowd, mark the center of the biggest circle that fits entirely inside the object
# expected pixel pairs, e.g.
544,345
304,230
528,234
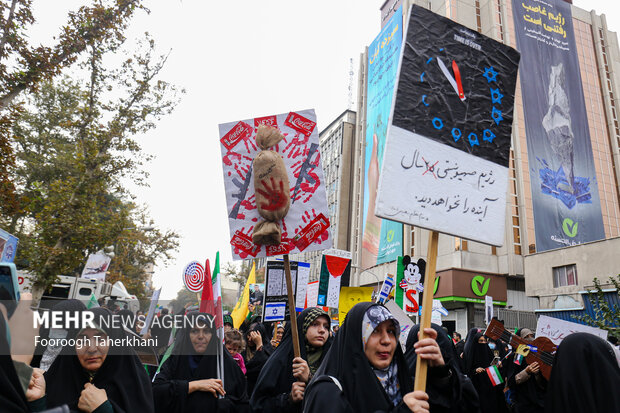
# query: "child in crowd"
234,344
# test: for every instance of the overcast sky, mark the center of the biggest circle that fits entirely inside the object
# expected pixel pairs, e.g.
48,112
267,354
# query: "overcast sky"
237,60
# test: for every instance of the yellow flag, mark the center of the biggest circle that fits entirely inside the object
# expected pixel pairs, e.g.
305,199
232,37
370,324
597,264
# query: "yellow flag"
240,312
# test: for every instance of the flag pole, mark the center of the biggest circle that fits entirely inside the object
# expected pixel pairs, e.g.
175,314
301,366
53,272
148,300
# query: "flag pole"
291,306
421,367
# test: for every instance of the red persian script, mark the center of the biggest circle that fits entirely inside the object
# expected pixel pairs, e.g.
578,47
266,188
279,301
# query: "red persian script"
282,248
312,231
267,120
245,244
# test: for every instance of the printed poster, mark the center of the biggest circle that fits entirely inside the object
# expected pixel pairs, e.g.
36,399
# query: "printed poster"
565,198
96,266
8,246
382,239
445,166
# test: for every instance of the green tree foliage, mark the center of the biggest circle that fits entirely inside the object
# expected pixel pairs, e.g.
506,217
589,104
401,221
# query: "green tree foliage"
75,146
606,317
240,273
23,66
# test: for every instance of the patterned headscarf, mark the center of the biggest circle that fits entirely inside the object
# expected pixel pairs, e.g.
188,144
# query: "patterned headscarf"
313,354
374,316
388,377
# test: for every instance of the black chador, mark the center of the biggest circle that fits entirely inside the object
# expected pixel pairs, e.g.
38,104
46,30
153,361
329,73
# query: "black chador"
171,384
347,382
121,375
272,391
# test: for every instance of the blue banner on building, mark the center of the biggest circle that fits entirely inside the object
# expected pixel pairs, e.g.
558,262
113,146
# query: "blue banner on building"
565,197
8,246
382,240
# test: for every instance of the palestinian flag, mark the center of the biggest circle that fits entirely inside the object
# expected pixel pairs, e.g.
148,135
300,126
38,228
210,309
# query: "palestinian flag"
335,273
519,359
494,375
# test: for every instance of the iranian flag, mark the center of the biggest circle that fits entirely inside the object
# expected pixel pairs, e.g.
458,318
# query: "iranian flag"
217,292
211,300
494,375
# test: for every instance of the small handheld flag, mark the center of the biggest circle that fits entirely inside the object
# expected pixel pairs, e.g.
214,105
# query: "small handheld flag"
494,375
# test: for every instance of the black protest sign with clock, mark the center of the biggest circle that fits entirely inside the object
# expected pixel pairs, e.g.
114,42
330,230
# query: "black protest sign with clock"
456,86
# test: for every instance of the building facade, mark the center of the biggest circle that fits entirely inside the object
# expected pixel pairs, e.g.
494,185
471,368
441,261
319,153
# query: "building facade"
521,277
337,150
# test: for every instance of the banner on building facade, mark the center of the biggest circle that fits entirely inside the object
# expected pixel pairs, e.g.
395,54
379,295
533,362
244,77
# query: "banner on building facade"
567,208
382,239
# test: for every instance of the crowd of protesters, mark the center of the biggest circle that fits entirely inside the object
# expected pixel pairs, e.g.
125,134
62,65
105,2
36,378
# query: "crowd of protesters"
360,368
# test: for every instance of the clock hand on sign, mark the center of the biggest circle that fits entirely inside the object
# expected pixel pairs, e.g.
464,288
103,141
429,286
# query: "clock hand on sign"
454,81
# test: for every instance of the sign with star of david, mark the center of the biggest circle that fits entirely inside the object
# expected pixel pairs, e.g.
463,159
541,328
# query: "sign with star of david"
450,131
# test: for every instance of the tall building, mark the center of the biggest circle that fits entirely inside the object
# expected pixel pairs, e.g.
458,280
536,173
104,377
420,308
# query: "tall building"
524,275
336,143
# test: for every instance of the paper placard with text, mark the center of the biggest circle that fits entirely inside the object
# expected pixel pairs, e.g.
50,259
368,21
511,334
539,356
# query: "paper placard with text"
557,330
306,225
448,147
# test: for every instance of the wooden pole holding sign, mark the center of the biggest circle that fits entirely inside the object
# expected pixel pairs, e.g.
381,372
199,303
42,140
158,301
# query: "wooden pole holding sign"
291,305
421,366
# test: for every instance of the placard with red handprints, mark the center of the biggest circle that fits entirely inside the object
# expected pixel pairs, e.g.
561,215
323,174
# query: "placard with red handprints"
306,225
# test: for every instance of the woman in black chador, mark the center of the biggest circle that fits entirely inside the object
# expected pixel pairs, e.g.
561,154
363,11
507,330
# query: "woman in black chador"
257,351
282,382
99,378
477,357
365,370
187,381
449,390
585,377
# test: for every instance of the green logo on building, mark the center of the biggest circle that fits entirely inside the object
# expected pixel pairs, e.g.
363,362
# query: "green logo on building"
390,235
479,281
570,228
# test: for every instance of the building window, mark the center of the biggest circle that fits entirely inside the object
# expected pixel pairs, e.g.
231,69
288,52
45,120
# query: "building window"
565,275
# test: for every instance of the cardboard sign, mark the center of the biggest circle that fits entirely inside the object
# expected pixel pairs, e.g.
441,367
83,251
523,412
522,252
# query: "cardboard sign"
409,284
557,330
305,227
151,313
446,160
349,296
403,319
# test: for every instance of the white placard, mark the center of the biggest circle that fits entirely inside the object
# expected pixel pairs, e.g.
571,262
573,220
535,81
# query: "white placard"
458,195
557,330
96,266
488,309
405,322
303,275
312,293
151,313
301,155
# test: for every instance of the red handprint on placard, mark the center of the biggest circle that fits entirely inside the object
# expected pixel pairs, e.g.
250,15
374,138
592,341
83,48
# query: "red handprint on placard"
297,146
241,163
276,197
